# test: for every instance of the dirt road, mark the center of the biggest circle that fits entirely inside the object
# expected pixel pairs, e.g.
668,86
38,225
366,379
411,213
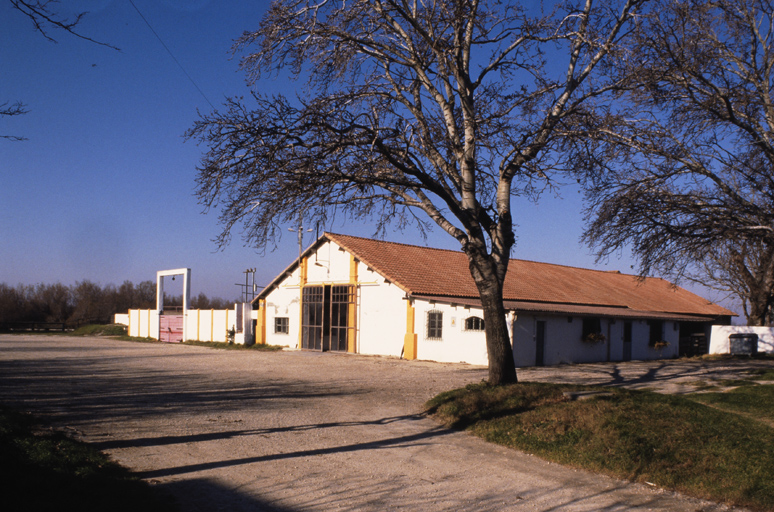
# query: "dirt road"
291,431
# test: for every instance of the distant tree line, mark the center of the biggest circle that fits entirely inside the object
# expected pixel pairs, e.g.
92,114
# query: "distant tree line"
86,302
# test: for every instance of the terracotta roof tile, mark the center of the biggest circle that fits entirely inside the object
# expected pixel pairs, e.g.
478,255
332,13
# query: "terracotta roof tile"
439,272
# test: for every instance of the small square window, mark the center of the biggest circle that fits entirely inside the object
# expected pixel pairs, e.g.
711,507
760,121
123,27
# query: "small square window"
434,325
281,325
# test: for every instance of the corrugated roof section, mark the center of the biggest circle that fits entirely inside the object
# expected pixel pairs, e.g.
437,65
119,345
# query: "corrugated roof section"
439,272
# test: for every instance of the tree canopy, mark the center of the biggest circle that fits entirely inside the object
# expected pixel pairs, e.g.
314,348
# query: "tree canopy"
411,113
689,183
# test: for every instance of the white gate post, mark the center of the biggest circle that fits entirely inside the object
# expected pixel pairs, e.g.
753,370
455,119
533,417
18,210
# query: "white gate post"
186,273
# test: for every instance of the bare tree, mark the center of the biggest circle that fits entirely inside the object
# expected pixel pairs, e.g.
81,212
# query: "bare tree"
690,181
12,109
744,269
45,19
447,108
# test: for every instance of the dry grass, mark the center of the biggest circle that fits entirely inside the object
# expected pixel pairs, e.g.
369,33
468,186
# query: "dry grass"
674,442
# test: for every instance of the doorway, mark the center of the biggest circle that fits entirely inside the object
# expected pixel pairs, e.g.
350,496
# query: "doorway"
540,342
171,328
627,341
326,323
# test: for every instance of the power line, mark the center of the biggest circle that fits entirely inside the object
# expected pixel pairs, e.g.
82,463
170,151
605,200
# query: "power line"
171,55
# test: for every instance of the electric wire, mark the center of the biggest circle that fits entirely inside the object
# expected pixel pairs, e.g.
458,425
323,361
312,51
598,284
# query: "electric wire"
172,55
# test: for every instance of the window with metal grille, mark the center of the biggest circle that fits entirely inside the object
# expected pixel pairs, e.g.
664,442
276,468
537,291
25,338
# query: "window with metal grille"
656,334
312,317
281,325
474,323
434,325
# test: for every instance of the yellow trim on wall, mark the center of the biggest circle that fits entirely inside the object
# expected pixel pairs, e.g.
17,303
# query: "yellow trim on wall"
302,271
410,338
352,308
260,326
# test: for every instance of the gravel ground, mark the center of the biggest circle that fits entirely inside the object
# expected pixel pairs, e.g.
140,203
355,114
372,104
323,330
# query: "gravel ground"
293,431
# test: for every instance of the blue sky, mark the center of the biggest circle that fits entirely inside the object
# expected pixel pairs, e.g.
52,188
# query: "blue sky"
103,189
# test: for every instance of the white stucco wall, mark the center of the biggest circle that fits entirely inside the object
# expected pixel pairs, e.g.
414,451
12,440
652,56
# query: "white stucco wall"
563,343
641,350
456,345
283,302
719,337
381,315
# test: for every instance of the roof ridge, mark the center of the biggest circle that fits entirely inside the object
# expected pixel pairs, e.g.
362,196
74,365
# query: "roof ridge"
614,272
394,243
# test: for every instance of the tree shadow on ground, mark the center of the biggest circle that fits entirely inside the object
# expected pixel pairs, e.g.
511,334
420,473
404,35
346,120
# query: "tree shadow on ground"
231,434
392,442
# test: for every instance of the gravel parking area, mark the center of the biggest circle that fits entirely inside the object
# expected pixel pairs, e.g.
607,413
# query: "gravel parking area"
293,431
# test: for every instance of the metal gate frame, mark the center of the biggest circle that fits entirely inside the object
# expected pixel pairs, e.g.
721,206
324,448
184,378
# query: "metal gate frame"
328,317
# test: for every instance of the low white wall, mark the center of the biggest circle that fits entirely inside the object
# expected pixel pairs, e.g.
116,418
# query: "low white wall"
143,323
121,319
211,324
720,333
201,324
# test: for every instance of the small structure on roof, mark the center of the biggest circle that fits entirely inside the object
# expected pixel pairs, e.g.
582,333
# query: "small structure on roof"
366,296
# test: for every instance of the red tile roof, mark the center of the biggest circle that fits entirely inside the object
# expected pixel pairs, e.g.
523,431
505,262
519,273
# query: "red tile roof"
443,273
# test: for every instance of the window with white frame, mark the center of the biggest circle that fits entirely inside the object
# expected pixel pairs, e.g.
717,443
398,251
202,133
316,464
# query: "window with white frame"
474,323
434,325
281,325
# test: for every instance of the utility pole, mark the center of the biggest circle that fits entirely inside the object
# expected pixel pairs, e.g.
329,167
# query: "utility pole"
249,288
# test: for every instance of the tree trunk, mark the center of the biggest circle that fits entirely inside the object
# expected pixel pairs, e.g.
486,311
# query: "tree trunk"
498,343
759,308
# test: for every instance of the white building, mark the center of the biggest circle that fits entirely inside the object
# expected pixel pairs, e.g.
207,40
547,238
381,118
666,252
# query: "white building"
367,296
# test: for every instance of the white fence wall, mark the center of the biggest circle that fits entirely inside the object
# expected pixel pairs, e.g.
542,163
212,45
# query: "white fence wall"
201,324
143,323
720,333
210,324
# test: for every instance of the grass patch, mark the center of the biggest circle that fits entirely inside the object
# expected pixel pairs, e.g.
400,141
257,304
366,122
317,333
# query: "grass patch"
754,400
233,346
100,330
762,374
672,441
761,356
48,470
